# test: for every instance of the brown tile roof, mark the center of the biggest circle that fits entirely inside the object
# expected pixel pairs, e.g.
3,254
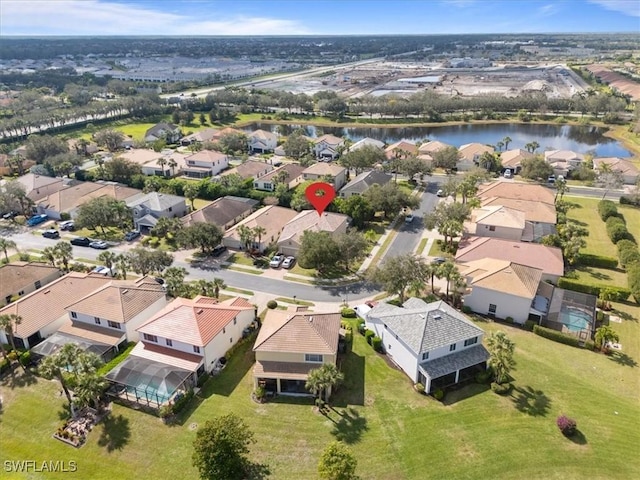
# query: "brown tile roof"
210,156
286,370
552,156
503,276
284,331
547,259
328,138
140,155
324,168
237,302
91,332
498,215
69,197
517,190
33,183
513,158
432,147
221,211
309,220
201,136
168,356
293,169
469,150
225,131
534,210
17,276
38,309
193,321
617,164
118,303
272,218
250,169
402,147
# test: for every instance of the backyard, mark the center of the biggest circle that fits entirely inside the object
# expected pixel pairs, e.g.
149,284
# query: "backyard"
394,432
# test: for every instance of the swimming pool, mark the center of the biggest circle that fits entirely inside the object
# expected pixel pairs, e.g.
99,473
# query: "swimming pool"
575,319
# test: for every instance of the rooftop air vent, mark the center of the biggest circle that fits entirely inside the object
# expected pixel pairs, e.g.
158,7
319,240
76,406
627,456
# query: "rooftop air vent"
199,311
437,316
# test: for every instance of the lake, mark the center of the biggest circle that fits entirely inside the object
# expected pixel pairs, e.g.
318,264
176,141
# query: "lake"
578,138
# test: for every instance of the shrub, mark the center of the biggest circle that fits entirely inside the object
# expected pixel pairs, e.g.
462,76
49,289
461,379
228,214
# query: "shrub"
348,313
419,388
617,229
529,324
362,328
25,358
111,364
556,336
597,261
509,320
376,343
466,309
606,209
633,279
630,200
627,257
483,377
501,388
438,394
566,425
165,411
4,366
154,242
259,393
272,304
64,216
621,293
24,257
181,400
368,335
395,301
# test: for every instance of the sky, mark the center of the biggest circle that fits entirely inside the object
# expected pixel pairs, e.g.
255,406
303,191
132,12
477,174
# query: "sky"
314,17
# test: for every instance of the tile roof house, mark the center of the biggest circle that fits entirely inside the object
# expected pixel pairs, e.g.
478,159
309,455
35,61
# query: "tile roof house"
39,186
250,169
563,161
290,239
205,164
224,212
327,146
627,169
433,343
156,163
429,148
147,208
163,131
542,216
291,344
206,135
501,288
470,154
497,221
401,149
272,218
261,141
366,142
291,172
21,278
512,159
319,171
517,191
535,255
362,182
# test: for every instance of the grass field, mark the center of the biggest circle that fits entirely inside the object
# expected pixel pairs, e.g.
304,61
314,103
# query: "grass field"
599,276
394,432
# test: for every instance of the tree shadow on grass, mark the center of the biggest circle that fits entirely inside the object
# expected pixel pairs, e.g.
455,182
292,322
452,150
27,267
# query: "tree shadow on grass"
351,391
624,315
115,432
256,471
350,427
578,438
532,402
462,393
623,359
18,378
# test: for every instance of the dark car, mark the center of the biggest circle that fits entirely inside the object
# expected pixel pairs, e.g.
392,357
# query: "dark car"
438,260
80,241
130,236
51,234
219,250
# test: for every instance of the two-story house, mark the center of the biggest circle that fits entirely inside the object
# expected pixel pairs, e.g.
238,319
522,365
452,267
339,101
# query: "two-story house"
289,174
289,345
205,164
147,208
433,343
163,131
261,141
326,172
21,278
327,147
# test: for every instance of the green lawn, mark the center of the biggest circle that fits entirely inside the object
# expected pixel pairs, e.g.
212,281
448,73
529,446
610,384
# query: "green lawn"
303,303
199,203
599,276
394,432
240,259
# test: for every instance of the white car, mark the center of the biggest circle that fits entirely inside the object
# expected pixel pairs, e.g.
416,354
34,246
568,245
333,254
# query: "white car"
507,173
102,270
409,218
276,261
289,262
440,193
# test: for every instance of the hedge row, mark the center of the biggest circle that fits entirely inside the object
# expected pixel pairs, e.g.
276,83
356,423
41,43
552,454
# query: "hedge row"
622,294
627,252
606,209
633,277
617,229
628,200
107,367
560,337
597,261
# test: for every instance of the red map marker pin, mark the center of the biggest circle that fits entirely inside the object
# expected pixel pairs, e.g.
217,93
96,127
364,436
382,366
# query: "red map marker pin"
320,195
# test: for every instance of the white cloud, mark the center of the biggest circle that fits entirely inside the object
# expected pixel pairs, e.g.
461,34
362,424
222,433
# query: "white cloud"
628,7
548,10
95,17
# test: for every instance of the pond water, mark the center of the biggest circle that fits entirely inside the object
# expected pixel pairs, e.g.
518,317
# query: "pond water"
580,138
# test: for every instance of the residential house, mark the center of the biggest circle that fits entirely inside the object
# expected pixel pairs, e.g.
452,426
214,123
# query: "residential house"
89,149
433,343
224,212
205,164
401,149
366,142
289,173
334,174
250,169
497,221
517,191
8,168
156,163
224,132
43,311
147,208
627,169
206,135
39,186
429,148
327,147
470,154
272,218
501,288
361,183
535,255
179,343
563,161
163,131
261,141
291,344
21,278
512,159
290,239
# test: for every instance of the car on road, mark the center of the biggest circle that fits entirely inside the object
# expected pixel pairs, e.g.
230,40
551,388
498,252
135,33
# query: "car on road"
99,244
37,219
276,261
51,233
81,241
440,193
68,225
438,260
219,250
409,218
130,236
289,262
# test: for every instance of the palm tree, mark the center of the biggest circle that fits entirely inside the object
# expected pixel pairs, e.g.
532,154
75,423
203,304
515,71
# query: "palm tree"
64,251
205,287
458,283
315,382
506,141
122,261
605,335
54,365
49,254
162,162
246,236
218,284
8,323
330,377
89,388
561,188
5,245
258,232
109,259
500,145
447,270
172,164
501,350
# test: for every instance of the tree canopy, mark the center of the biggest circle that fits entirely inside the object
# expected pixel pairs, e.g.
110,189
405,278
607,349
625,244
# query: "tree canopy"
396,274
102,212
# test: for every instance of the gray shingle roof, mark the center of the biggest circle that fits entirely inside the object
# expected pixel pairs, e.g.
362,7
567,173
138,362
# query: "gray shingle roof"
365,180
455,361
157,202
425,326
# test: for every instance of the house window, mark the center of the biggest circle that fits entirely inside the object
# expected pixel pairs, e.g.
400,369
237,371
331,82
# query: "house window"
231,340
171,209
150,338
425,356
267,186
169,343
492,309
37,284
492,228
256,184
235,321
312,358
471,341
21,292
113,324
224,330
452,347
74,315
96,320
389,346
196,349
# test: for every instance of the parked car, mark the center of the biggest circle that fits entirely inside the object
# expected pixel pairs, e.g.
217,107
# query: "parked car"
289,262
9,215
440,193
409,218
551,179
37,219
219,250
276,261
68,225
80,241
507,173
130,236
51,233
99,244
438,260
102,270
